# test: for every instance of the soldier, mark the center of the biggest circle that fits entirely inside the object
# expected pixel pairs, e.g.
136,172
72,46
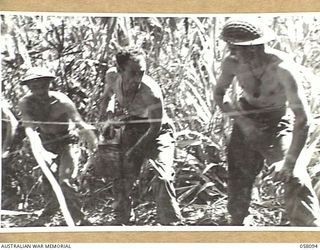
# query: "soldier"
147,134
261,130
47,117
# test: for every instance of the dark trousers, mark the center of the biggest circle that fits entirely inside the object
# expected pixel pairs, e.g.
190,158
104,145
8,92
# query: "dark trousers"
245,161
160,154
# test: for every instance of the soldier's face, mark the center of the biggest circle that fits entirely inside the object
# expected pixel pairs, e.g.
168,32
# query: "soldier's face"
39,87
243,53
132,72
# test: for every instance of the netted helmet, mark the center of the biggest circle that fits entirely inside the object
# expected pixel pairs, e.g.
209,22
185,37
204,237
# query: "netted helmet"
246,32
36,73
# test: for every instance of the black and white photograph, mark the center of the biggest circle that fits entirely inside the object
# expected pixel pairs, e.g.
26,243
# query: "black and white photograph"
158,120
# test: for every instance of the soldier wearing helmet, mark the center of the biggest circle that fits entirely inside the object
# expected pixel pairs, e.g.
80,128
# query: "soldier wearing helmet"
262,131
47,117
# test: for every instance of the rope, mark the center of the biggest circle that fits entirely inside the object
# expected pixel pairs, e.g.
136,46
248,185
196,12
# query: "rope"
188,118
112,122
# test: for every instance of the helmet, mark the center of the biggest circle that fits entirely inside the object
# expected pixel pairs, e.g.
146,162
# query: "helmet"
246,32
36,73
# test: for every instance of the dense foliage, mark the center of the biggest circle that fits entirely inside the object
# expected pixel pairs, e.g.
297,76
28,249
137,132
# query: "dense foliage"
183,56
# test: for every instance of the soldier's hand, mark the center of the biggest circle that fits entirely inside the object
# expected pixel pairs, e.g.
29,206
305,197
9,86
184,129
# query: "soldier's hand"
90,138
83,174
108,130
48,156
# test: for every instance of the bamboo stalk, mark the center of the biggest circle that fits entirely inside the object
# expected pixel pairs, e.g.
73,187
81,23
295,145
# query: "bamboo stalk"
52,180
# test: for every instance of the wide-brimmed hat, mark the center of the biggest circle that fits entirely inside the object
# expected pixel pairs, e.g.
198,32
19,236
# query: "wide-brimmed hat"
246,32
36,73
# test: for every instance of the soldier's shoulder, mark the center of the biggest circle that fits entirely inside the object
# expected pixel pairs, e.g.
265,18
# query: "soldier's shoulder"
231,58
281,55
112,75
151,87
230,62
60,97
25,99
283,61
149,81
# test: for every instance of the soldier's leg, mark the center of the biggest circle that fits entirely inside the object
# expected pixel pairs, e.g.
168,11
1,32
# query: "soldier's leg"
127,175
168,209
244,164
122,203
51,202
107,163
67,172
122,189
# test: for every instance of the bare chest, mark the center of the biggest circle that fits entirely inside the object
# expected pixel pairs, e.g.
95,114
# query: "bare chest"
261,87
133,102
49,116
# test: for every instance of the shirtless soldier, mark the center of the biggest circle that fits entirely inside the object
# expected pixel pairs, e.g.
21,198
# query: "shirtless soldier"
261,129
47,118
147,134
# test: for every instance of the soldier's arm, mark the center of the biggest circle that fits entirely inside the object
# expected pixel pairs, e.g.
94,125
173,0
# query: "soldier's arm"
223,83
152,97
155,114
86,131
111,78
298,104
